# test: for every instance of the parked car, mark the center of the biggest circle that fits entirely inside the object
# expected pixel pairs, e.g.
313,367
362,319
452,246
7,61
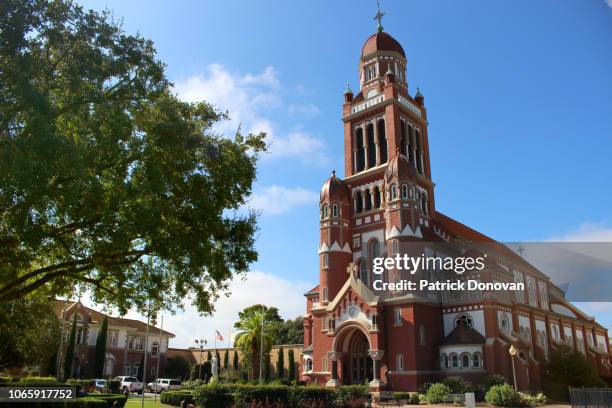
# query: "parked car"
164,384
100,385
130,384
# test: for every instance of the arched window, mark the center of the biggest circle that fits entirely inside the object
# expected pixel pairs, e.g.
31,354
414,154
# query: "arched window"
505,323
419,151
395,247
371,146
454,361
335,210
325,365
368,200
411,145
154,349
393,191
358,202
376,197
403,138
424,204
399,362
360,150
465,319
531,286
324,211
382,141
309,364
363,271
476,360
325,260
465,361
397,315
325,294
404,191
444,361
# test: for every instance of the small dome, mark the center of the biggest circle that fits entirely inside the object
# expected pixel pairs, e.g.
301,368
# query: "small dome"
399,167
334,189
381,41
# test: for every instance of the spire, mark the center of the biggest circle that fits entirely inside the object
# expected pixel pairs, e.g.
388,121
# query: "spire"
379,15
348,89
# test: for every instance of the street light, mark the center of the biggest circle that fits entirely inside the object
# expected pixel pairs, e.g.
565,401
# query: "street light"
201,343
513,352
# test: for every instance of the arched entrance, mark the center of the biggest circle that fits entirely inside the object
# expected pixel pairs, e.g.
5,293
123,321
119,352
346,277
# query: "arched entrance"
358,368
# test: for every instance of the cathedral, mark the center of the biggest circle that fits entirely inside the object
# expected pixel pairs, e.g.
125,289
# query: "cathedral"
385,206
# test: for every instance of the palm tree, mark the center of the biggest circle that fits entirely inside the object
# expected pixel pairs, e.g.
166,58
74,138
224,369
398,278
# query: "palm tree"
249,340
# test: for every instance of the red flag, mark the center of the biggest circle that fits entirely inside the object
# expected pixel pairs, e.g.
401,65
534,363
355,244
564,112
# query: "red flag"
218,335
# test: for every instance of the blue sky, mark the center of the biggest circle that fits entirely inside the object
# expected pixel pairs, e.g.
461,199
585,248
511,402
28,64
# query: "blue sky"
519,99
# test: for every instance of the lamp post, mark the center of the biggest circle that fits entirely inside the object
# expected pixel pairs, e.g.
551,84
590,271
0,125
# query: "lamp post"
200,343
513,352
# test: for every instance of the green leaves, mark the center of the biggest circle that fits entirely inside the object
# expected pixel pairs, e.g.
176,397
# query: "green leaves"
110,183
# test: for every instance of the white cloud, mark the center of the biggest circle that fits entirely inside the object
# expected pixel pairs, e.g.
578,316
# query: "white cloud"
274,200
587,232
609,3
258,287
250,100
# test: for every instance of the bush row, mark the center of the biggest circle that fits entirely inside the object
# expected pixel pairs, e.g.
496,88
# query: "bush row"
244,396
505,396
98,401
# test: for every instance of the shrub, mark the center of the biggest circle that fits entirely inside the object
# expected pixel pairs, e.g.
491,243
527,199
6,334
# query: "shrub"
351,396
39,380
401,396
174,398
437,393
247,395
503,396
114,386
415,399
488,382
303,397
458,385
86,402
110,399
528,400
209,396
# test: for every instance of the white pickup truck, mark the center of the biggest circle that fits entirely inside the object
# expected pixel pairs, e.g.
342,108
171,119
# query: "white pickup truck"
130,384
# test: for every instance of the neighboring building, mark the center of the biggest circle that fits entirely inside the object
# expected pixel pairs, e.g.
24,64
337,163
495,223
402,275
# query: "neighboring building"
125,342
200,356
384,206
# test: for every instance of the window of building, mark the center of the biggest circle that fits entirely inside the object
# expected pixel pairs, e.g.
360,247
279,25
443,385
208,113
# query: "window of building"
325,294
80,335
505,323
476,360
518,279
324,211
358,202
466,319
325,260
455,361
424,207
382,140
395,247
422,335
112,338
531,287
399,362
543,294
325,365
444,361
465,361
360,153
371,146
376,197
368,200
404,191
154,349
393,191
335,211
363,271
309,364
398,315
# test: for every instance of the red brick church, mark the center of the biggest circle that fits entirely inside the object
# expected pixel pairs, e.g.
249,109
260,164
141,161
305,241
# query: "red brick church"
385,206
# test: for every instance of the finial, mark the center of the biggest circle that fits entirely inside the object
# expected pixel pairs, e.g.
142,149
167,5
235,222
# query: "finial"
418,92
379,15
333,173
348,89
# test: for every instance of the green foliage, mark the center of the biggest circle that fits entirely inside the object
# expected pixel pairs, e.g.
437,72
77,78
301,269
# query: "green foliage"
401,396
503,396
415,399
291,365
458,385
29,332
248,395
39,380
249,340
101,349
177,367
290,331
114,386
351,396
280,363
208,356
303,397
529,400
110,399
235,364
217,396
69,358
267,367
109,182
175,398
437,393
226,360
569,368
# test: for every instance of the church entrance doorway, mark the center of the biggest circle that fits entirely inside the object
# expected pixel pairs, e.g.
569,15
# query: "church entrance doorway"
358,367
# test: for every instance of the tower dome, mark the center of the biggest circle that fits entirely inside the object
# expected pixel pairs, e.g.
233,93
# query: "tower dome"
381,41
334,189
400,167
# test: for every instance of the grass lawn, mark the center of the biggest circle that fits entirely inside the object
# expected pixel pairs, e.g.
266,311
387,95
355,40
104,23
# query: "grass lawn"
134,402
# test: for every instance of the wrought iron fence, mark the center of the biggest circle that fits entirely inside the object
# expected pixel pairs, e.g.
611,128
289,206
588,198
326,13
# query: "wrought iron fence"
591,397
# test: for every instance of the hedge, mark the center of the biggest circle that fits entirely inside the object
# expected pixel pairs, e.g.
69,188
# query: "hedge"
213,396
175,398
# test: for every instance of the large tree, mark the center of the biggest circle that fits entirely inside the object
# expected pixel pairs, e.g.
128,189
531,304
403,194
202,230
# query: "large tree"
291,331
101,349
280,363
291,367
177,367
29,333
109,182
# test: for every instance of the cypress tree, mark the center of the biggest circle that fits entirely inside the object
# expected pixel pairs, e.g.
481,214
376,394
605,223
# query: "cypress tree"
267,367
101,349
291,365
69,359
280,363
226,360
235,360
209,356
